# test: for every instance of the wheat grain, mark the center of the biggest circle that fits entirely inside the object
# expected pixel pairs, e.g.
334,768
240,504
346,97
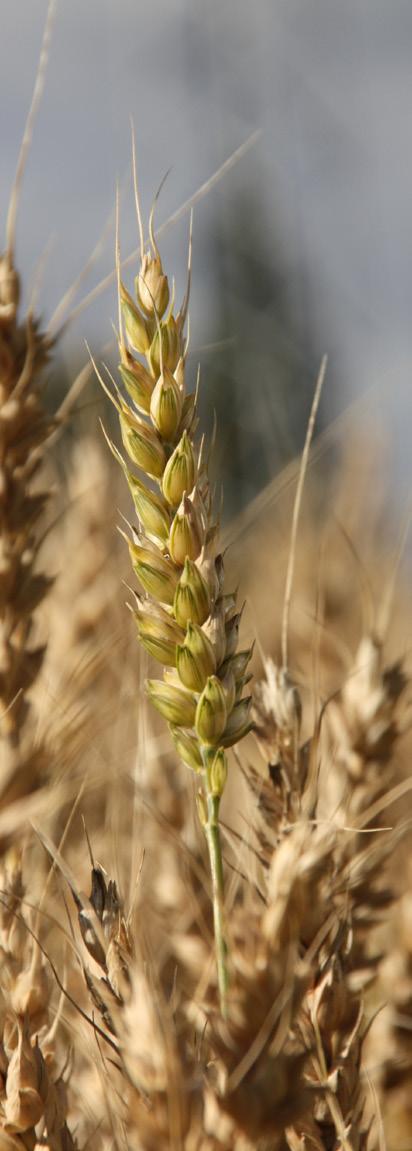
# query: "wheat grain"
184,618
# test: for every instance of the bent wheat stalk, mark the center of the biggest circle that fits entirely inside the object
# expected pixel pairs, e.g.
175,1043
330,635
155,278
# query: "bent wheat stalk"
185,618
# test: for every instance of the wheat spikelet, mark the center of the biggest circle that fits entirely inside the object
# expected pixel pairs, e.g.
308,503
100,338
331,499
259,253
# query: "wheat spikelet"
79,623
317,801
33,1086
304,878
185,618
391,1048
24,429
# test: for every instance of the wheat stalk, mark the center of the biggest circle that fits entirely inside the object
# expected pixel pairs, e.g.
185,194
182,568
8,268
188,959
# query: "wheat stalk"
33,1082
185,618
24,428
316,812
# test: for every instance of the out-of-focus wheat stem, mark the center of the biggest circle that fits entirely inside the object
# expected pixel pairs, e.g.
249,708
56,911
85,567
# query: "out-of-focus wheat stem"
213,840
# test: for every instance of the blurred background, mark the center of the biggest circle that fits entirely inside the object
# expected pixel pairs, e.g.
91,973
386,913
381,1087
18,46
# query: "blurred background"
303,247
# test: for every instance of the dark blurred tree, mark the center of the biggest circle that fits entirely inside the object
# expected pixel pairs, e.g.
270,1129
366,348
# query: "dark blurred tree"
259,376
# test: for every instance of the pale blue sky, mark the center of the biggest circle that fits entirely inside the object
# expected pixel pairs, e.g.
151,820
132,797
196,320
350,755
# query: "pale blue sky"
329,83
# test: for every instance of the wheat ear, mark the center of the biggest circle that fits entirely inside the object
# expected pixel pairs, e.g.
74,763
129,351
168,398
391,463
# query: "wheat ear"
24,428
185,618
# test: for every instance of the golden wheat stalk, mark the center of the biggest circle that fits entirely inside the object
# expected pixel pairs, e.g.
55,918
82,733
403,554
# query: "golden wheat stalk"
185,618
25,425
33,1083
329,794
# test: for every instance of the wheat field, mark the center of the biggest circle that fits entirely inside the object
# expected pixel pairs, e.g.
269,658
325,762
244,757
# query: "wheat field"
205,846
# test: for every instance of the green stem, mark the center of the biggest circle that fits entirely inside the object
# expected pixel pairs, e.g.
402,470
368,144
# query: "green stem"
212,832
